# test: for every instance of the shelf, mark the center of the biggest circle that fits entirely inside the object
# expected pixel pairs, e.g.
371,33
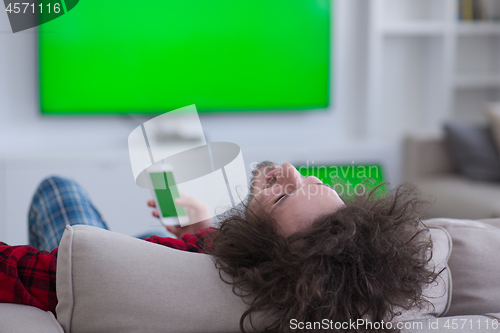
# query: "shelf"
478,28
407,10
426,67
473,82
414,28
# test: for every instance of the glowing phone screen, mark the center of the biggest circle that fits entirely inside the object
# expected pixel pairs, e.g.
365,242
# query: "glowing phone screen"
165,197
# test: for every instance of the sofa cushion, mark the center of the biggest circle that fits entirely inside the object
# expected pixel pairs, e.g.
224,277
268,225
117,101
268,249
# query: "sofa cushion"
458,197
107,282
426,154
17,318
474,150
439,292
474,265
493,113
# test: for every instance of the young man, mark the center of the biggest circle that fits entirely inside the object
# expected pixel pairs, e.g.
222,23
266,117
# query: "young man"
28,273
304,253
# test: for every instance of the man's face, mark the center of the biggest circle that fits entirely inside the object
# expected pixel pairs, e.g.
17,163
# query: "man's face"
293,200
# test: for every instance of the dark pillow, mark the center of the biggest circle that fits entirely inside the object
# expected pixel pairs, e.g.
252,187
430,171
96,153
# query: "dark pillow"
474,151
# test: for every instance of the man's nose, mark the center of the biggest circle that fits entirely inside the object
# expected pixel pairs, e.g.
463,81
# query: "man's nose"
289,176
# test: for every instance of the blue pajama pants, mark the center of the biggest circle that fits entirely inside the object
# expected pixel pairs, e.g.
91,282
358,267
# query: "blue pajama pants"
59,202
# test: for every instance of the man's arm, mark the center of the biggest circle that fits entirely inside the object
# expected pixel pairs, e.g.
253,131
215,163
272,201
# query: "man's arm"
28,276
192,242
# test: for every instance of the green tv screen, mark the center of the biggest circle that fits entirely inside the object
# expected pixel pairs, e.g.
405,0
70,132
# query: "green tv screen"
149,57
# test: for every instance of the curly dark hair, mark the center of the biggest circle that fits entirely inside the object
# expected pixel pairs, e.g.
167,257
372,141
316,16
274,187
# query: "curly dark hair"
368,260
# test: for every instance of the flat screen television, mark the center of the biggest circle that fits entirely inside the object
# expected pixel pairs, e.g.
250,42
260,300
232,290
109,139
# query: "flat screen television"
134,57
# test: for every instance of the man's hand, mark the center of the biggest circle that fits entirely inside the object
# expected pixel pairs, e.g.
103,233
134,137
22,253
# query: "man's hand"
151,203
196,211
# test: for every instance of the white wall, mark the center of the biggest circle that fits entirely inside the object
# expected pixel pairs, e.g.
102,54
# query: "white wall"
23,129
331,136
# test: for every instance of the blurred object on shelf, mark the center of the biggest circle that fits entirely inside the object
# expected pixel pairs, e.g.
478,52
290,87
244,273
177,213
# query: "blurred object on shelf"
477,10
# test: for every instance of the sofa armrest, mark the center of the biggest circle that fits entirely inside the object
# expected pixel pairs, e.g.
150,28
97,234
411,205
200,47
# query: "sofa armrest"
425,155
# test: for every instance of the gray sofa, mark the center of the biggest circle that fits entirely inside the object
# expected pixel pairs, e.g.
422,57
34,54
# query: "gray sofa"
107,282
428,164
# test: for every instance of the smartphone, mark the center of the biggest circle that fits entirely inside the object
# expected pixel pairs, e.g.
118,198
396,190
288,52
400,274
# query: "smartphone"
164,190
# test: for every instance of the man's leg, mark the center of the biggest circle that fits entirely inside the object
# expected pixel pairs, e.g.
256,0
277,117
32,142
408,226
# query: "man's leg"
59,202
